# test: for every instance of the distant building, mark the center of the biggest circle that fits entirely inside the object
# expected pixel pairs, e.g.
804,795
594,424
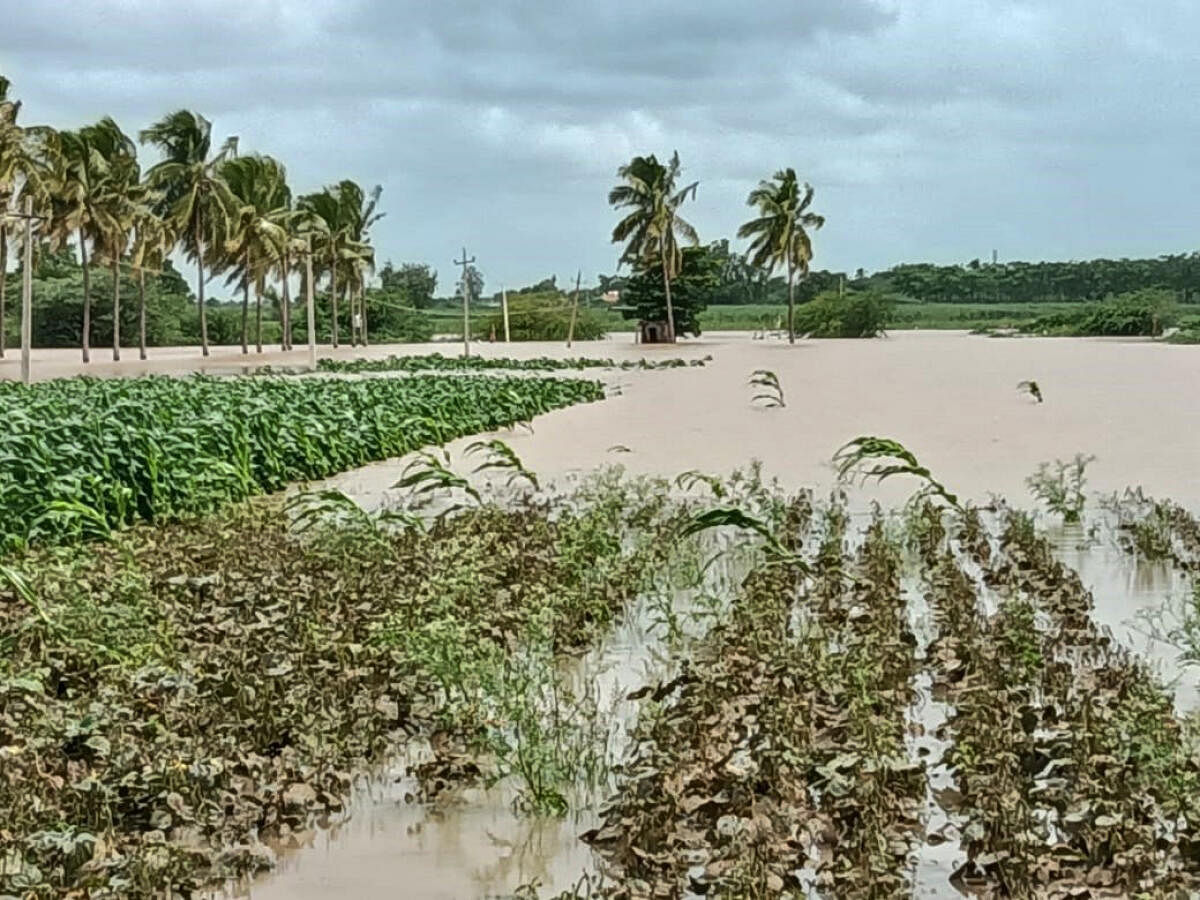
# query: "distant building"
654,332
610,296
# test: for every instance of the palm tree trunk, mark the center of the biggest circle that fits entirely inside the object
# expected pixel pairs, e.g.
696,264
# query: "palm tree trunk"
245,307
667,291
116,267
285,307
791,305
333,298
85,344
200,290
245,316
141,314
3,282
258,318
362,306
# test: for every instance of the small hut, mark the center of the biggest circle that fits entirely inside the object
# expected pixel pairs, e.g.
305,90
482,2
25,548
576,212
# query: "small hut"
654,332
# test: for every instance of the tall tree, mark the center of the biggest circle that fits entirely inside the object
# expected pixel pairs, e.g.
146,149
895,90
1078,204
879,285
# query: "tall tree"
323,226
358,215
89,167
152,242
780,232
255,236
20,167
195,198
649,191
122,199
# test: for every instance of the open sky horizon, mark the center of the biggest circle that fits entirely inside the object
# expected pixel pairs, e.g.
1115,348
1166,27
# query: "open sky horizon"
932,131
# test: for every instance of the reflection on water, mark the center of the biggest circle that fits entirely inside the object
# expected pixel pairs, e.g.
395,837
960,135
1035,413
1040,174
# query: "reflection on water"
1125,590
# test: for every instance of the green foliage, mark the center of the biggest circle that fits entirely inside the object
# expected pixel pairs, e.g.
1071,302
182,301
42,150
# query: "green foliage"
58,305
644,297
1060,486
436,362
856,314
83,454
882,458
772,391
540,317
413,284
1141,312
500,457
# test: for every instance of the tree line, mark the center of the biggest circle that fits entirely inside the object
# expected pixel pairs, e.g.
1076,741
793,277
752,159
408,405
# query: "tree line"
230,214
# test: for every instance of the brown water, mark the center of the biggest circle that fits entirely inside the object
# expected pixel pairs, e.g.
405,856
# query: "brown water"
950,397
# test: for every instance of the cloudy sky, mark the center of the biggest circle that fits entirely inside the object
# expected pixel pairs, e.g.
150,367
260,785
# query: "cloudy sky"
931,129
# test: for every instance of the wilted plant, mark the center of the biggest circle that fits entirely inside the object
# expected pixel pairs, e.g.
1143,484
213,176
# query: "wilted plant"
882,458
499,456
336,517
1060,486
771,391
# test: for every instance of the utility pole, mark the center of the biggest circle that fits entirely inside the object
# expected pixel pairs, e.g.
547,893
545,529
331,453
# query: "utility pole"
574,309
504,308
308,302
466,292
26,290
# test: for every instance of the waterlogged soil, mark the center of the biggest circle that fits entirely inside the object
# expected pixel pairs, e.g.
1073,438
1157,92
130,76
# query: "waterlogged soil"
178,704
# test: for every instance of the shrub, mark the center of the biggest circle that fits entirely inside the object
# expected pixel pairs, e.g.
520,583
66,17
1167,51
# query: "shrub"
1144,312
856,314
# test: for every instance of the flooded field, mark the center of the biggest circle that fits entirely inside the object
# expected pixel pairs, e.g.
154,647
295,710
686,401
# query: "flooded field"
952,398
750,681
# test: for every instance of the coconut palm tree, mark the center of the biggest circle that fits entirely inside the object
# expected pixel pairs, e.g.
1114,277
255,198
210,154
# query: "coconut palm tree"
256,235
648,231
358,215
88,166
322,217
21,165
195,198
780,233
122,197
153,241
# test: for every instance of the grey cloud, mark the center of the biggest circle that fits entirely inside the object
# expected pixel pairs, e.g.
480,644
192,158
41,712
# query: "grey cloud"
932,129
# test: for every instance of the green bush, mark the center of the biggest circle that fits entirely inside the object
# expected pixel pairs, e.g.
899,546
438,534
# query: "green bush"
855,314
540,317
1145,312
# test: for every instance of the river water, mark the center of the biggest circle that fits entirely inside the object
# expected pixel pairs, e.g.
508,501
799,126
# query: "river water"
949,397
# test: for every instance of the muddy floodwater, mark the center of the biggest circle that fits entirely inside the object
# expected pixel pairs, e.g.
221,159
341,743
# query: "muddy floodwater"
950,397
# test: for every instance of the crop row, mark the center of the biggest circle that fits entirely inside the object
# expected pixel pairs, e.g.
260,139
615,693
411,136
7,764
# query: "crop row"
82,455
776,764
437,362
1073,777
172,700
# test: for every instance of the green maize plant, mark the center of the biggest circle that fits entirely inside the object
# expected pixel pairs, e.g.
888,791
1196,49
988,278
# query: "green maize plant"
889,458
771,391
82,456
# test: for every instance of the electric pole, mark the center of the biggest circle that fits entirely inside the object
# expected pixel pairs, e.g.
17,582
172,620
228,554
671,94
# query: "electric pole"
26,289
466,292
504,307
308,302
574,309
